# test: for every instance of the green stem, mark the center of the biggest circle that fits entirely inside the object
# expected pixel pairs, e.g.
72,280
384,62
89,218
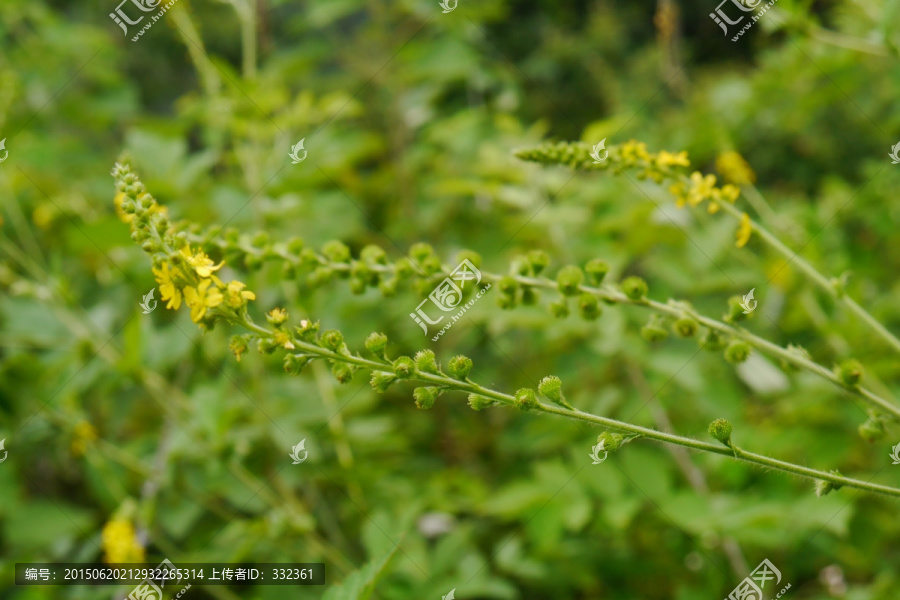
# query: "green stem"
440,379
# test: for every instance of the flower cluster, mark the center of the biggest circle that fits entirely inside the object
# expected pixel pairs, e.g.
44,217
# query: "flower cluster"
120,542
186,274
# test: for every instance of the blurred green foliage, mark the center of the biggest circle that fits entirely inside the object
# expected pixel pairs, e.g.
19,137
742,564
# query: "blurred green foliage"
410,118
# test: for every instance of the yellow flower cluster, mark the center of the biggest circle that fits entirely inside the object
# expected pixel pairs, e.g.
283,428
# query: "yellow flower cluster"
120,543
703,187
180,282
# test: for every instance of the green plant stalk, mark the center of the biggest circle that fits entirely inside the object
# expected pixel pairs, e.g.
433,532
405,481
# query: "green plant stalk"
447,382
608,294
816,277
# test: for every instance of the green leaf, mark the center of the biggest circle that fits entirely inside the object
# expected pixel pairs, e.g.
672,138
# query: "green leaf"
360,583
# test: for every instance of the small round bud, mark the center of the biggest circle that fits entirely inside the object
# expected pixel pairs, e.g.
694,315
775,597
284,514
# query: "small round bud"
596,270
735,310
720,429
479,402
538,260
589,306
824,487
336,251
611,441
342,372
420,251
260,240
849,372
376,342
506,302
526,399
460,367
425,397
373,254
425,362
686,327
634,287
559,308
381,380
307,330
404,366
568,279
872,430
737,352
431,265
295,363
403,268
295,246
470,255
357,286
332,340
530,296
711,340
551,387
508,285
238,345
654,331
276,316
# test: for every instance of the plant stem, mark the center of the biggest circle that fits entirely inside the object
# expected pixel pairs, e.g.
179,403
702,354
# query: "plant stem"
445,381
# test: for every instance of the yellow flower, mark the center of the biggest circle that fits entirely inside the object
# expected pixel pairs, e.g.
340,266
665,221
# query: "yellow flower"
667,159
744,231
202,264
277,316
730,192
734,168
237,296
84,434
200,299
165,277
713,207
702,187
120,543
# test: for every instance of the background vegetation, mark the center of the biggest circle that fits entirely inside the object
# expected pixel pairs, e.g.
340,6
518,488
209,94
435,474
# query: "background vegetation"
410,117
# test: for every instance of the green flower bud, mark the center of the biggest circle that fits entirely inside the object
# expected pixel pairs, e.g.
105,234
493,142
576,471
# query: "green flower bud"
737,352
425,362
295,363
551,387
506,302
238,345
432,265
357,286
589,306
849,372
260,239
508,285
654,331
373,254
388,287
559,308
711,340
320,276
425,396
308,330
686,326
872,430
479,402
824,487
267,345
568,279
720,429
295,246
376,343
404,366
526,399
611,441
381,380
309,258
596,270
735,310
403,268
530,296
336,251
538,260
420,251
470,255
634,287
341,371
332,340
460,367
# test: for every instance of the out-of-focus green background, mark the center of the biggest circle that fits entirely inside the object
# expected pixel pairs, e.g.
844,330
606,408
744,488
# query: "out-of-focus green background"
410,117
